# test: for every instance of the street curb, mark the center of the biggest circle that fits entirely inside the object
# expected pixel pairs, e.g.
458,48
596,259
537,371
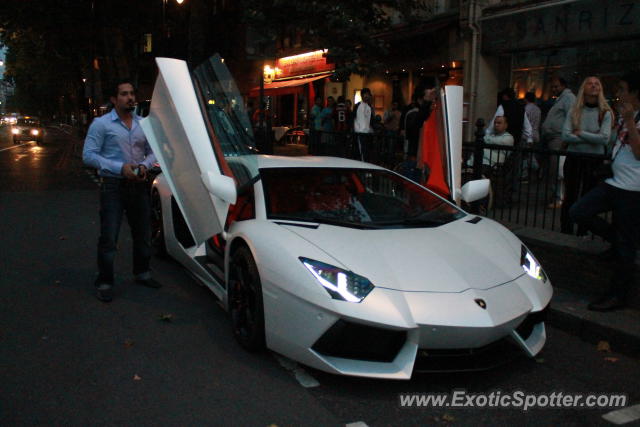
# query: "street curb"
621,328
568,310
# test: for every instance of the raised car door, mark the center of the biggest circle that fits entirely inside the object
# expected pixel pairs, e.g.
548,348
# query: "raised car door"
184,143
452,111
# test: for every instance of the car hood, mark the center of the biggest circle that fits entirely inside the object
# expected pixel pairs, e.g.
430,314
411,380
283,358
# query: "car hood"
454,257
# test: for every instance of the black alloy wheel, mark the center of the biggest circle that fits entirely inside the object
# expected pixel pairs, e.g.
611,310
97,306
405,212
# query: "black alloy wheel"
245,301
157,230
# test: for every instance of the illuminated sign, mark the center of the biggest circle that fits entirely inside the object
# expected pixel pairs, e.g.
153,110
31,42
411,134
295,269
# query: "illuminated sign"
303,64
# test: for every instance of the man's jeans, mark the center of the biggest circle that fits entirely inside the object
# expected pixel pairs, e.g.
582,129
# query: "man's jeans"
622,233
118,197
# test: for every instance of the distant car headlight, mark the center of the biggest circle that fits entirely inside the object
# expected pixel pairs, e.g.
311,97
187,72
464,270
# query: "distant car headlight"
35,131
531,266
15,131
341,284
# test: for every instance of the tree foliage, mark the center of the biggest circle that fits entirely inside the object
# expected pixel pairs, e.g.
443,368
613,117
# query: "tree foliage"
52,43
348,29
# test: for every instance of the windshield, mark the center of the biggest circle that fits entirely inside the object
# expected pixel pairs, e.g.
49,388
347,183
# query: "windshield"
226,117
360,198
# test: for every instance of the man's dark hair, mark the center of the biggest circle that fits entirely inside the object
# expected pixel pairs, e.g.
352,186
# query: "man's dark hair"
562,81
509,93
530,96
115,86
340,99
633,81
365,90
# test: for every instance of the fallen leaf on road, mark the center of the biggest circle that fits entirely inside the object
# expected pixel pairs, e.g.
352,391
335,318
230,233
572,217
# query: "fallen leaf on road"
57,282
128,343
448,418
539,360
45,337
166,317
136,377
63,237
611,359
604,347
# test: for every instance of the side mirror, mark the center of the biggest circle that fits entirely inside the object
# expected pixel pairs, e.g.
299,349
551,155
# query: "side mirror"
221,186
475,190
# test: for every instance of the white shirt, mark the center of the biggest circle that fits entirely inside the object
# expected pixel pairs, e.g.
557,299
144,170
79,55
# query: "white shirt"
362,122
527,130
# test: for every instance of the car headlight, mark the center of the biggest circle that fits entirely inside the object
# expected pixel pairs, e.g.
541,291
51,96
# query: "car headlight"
34,131
15,131
341,284
531,266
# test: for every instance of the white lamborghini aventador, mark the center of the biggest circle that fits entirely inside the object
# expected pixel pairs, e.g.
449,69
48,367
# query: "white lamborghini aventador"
338,264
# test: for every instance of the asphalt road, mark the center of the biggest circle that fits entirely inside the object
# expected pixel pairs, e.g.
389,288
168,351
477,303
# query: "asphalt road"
68,359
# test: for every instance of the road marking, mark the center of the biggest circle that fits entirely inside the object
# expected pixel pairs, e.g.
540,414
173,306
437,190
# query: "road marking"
623,416
16,146
357,424
303,377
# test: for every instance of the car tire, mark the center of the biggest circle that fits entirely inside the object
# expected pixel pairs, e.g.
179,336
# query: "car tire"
157,226
245,301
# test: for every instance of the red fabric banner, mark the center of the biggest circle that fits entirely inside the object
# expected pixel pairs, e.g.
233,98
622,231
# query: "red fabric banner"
433,153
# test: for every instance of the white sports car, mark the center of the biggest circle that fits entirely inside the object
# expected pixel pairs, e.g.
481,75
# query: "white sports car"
340,265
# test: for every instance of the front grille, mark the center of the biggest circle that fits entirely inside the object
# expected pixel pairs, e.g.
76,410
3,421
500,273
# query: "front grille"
350,340
467,359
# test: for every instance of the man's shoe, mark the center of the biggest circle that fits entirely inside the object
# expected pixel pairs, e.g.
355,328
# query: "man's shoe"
606,304
104,292
149,283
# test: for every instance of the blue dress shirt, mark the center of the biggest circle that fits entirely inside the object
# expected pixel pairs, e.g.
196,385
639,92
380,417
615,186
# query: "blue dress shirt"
110,144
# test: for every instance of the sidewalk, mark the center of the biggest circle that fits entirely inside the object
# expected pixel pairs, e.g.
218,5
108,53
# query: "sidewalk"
578,275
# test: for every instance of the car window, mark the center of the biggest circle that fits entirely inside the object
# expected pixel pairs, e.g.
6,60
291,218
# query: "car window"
353,197
226,117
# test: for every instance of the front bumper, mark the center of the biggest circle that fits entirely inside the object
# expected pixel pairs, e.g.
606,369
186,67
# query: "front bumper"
396,332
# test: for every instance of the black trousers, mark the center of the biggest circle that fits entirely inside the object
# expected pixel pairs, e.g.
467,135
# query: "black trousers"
120,197
579,179
622,232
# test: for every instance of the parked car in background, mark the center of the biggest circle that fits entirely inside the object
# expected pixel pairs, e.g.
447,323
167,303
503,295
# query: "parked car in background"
27,128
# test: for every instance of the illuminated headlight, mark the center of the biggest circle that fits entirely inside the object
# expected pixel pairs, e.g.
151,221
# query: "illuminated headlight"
35,131
341,284
15,131
531,266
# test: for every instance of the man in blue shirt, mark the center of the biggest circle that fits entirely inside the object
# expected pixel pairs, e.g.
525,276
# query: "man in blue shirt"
116,146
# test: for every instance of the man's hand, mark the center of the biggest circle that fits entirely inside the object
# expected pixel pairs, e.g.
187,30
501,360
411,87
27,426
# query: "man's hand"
142,172
128,171
626,111
576,132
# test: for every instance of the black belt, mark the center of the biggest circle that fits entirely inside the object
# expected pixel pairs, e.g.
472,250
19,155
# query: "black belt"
121,181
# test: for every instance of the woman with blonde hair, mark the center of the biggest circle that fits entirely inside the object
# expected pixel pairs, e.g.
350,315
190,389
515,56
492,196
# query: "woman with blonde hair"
587,130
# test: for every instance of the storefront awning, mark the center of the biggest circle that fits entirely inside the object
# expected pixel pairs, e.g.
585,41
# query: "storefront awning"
285,87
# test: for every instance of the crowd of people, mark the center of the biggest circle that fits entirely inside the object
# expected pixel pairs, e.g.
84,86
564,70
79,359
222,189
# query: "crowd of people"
599,173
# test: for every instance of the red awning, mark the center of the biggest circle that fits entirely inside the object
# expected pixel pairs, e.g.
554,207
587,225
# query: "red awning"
285,87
